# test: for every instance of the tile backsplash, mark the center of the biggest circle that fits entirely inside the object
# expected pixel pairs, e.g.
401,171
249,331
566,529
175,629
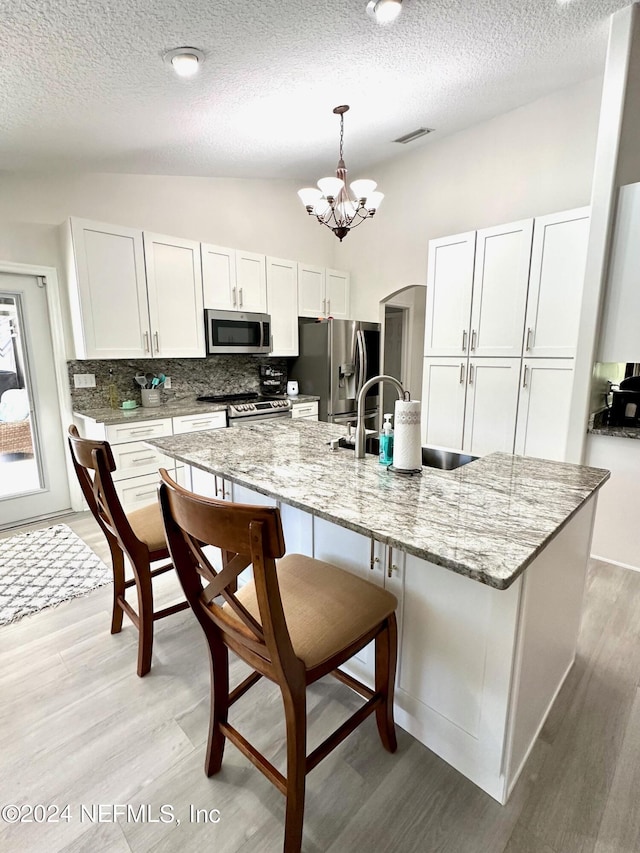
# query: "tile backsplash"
190,377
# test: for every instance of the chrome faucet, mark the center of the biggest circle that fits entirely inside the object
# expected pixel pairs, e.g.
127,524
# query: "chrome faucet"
360,430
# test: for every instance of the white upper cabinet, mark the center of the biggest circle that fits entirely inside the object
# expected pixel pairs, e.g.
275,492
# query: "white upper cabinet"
251,282
449,290
174,282
338,292
108,291
219,277
544,408
233,280
134,295
311,291
500,289
556,283
323,292
619,332
282,305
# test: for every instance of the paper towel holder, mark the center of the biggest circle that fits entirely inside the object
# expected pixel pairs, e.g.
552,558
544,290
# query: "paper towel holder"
406,472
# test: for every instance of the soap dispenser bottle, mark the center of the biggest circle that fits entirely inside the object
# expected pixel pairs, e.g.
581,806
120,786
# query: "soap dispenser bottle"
386,442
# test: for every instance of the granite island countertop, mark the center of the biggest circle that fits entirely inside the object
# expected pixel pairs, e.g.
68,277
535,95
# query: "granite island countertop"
487,520
172,408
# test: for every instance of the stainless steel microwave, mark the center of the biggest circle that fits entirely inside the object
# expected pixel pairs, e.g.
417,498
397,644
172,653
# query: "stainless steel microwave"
236,332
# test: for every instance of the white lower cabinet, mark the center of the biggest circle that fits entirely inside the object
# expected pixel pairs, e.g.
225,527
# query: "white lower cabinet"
470,404
362,556
308,411
544,408
491,406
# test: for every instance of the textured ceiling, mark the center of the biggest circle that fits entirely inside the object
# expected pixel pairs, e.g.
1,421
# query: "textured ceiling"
83,85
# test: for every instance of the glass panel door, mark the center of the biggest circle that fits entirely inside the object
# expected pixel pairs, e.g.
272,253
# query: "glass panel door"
33,469
20,469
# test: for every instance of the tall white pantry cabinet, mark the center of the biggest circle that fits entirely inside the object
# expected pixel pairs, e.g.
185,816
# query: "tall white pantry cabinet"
501,329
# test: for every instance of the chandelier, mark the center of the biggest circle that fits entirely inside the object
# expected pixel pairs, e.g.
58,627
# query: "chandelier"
333,205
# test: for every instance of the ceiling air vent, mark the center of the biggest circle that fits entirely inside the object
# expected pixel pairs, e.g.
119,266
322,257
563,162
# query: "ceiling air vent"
415,134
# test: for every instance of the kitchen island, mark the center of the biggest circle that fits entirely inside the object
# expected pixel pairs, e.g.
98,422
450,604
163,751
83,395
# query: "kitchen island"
488,563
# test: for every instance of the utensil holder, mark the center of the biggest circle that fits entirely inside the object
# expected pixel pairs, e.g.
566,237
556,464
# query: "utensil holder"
150,397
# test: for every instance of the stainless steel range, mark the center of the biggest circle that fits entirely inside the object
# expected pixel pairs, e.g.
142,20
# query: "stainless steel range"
249,407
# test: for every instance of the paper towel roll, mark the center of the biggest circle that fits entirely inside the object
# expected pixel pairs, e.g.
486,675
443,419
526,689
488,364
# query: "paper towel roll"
407,451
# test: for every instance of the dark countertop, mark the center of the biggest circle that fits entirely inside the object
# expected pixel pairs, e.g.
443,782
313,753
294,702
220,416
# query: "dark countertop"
487,520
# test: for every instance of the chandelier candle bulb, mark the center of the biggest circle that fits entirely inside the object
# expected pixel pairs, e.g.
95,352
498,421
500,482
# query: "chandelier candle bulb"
407,450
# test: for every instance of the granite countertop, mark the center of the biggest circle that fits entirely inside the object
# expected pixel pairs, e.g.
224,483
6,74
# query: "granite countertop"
620,432
172,408
487,520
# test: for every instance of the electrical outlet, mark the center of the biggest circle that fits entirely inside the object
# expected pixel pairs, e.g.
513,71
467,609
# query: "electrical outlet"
167,382
84,380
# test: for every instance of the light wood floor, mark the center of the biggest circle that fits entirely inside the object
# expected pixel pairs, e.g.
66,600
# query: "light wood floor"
78,727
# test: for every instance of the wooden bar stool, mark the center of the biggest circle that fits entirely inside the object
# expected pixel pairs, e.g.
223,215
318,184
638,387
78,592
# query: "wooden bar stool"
139,535
294,623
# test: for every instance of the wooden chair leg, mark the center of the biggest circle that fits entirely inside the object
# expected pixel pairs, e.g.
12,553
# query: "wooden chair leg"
145,616
117,563
219,659
386,652
295,706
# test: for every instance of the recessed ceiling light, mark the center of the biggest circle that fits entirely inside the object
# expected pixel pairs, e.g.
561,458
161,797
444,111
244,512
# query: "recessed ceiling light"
185,61
384,11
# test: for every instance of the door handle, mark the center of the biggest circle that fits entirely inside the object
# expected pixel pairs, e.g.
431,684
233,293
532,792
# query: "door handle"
527,345
233,296
240,296
464,340
462,372
146,341
373,559
391,567
157,337
328,307
470,374
524,376
473,340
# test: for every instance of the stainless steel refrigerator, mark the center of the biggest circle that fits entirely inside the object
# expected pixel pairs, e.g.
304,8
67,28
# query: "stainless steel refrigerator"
336,359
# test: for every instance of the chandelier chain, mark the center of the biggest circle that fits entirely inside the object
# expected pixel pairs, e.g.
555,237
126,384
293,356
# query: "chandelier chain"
341,134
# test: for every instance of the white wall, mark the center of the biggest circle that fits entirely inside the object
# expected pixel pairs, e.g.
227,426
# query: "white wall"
533,160
261,216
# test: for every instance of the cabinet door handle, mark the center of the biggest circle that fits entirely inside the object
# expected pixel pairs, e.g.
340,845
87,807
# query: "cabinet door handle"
324,306
391,567
225,494
373,559
157,337
462,372
328,307
464,340
233,296
141,459
240,297
470,374
146,341
473,340
527,345
524,376
139,430
152,493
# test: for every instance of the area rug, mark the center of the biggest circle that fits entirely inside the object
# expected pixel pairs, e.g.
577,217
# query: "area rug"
43,568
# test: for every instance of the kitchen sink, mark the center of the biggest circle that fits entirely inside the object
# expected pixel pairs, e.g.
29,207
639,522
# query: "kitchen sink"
445,460
432,457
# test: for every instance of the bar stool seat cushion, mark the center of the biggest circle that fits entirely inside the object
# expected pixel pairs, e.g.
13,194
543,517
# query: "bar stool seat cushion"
326,608
147,525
